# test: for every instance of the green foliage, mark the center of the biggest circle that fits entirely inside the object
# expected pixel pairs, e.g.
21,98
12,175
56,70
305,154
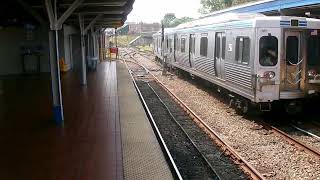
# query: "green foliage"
124,40
209,6
170,20
237,2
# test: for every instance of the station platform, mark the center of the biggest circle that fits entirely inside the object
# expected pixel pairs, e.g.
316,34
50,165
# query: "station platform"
106,134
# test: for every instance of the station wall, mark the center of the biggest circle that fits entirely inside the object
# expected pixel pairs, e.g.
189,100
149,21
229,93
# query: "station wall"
12,38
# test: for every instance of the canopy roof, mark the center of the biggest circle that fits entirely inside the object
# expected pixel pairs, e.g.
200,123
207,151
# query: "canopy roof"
111,13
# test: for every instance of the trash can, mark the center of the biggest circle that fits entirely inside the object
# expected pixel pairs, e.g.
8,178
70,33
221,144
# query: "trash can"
92,63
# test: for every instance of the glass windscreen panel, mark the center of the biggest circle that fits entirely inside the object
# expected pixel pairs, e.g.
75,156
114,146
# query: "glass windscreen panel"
268,50
292,50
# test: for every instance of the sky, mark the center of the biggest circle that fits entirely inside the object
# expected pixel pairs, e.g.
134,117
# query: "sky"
153,10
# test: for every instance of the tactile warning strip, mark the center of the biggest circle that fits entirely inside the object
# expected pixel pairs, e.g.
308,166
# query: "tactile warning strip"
142,155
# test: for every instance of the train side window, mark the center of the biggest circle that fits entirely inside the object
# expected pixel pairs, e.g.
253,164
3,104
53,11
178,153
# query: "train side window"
223,56
170,45
217,47
193,45
204,46
268,50
183,45
243,50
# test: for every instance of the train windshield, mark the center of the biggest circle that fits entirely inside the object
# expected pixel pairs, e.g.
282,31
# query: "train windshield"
268,52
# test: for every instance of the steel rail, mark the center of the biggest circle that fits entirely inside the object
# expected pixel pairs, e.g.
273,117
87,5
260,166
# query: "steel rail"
227,149
157,132
305,131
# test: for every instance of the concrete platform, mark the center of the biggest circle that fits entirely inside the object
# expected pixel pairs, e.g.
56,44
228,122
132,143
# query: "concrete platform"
142,155
106,134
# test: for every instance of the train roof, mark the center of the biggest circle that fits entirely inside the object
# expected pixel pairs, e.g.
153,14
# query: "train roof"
245,20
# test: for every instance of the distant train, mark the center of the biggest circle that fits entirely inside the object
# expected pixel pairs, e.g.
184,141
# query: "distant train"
257,59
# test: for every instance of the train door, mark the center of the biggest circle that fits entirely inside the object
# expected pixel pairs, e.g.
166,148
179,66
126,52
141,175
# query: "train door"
293,56
220,54
192,42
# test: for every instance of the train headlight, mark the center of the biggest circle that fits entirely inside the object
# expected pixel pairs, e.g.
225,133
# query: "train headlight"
269,74
312,73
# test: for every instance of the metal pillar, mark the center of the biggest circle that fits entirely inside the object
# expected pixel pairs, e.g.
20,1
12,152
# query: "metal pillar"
116,40
55,77
83,53
88,45
56,25
94,46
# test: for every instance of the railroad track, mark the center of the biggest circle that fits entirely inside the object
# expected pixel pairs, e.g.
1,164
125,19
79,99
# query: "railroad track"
226,148
229,150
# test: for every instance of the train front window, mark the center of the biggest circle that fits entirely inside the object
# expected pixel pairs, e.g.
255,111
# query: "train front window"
268,51
292,50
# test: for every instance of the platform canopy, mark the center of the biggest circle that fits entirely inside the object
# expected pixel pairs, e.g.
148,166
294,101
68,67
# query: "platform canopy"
105,13
275,7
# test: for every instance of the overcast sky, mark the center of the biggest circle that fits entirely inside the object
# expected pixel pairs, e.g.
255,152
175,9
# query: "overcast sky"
154,10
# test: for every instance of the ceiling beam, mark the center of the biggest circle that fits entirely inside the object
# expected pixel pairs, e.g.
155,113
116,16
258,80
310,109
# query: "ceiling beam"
31,11
92,23
92,4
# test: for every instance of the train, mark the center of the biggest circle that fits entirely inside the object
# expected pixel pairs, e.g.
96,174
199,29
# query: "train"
258,60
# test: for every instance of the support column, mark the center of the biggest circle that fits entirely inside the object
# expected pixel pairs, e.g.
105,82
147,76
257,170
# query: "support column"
83,53
116,39
55,77
94,46
56,25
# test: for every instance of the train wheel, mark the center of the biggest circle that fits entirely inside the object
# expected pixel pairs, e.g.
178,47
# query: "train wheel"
293,107
242,107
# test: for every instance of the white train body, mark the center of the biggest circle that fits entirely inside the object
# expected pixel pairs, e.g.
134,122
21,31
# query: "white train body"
260,58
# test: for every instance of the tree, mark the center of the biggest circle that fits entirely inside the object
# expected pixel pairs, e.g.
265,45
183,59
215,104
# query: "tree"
209,6
170,20
237,2
178,21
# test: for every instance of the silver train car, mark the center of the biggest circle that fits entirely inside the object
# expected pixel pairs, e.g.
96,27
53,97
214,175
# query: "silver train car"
258,59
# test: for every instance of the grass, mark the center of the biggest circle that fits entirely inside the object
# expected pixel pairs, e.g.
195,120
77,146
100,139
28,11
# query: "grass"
145,48
125,39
